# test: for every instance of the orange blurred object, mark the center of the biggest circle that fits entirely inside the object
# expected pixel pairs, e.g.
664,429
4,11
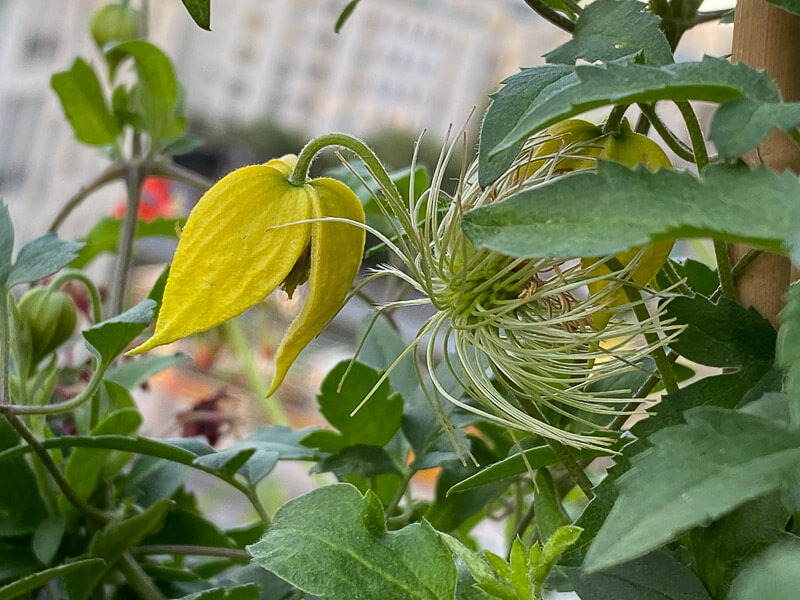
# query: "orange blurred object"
156,201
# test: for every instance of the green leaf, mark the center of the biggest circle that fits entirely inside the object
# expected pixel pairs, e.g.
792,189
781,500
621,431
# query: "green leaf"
741,124
47,538
722,547
374,424
85,466
85,105
609,30
721,334
185,525
319,543
534,458
282,440
108,339
157,90
772,575
42,257
792,6
135,372
6,243
345,14
477,565
699,276
364,461
693,473
550,514
259,465
656,576
104,235
518,92
227,461
788,349
616,208
200,11
711,80
21,506
241,592
37,580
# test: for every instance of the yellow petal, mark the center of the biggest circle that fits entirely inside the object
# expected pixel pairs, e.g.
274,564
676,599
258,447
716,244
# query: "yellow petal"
284,164
229,256
336,251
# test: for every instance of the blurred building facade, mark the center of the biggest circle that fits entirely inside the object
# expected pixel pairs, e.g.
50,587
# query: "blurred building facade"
397,64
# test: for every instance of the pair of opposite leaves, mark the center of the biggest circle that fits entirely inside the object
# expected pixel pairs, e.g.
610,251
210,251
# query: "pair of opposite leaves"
251,232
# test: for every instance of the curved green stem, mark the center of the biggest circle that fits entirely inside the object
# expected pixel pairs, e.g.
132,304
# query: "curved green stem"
138,579
614,120
299,174
94,295
71,404
674,144
695,135
110,174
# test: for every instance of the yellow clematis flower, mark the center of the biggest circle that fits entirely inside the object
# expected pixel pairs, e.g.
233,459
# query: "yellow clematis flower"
252,232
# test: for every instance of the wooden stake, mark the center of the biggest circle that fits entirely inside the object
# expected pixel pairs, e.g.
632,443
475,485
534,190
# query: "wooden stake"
767,37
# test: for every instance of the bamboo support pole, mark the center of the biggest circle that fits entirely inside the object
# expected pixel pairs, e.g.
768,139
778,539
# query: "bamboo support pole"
766,37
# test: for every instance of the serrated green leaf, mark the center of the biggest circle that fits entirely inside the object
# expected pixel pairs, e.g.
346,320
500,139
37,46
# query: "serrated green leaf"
741,124
85,105
616,208
374,424
519,91
108,339
42,257
104,235
37,580
319,543
656,576
347,11
477,565
772,575
520,576
792,6
693,473
711,80
721,334
364,461
6,243
720,549
200,11
134,373
609,30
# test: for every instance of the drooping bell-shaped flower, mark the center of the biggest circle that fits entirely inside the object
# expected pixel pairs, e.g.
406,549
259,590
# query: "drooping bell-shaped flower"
252,232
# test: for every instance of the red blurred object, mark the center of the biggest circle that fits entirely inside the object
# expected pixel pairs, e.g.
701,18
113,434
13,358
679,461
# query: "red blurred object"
205,418
156,201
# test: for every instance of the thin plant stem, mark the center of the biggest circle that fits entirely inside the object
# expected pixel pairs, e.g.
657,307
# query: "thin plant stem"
112,173
401,489
235,336
5,348
737,269
712,15
695,135
42,454
68,405
560,450
177,173
724,270
138,579
672,142
615,118
94,295
554,17
252,496
232,553
133,185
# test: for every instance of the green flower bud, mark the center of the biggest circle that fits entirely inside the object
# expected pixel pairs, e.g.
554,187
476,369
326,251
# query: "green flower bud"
114,23
50,317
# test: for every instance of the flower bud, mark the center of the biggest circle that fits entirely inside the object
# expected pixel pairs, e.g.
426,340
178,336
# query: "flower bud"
50,317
